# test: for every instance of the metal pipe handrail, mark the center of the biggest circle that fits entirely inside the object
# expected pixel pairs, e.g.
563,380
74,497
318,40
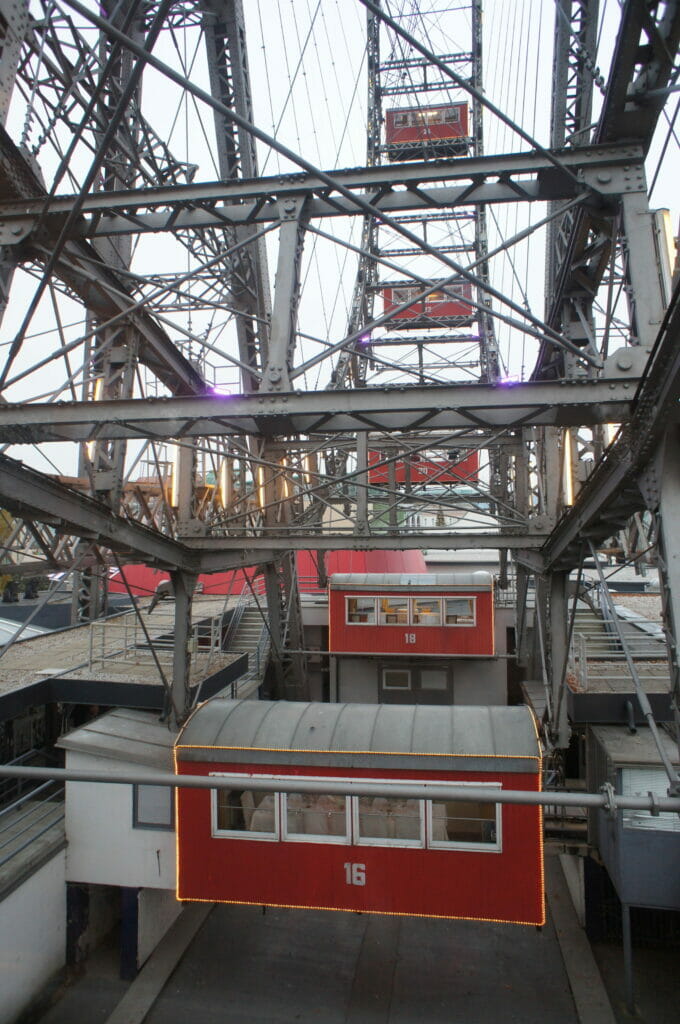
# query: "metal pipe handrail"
419,791
46,806
27,796
24,846
643,699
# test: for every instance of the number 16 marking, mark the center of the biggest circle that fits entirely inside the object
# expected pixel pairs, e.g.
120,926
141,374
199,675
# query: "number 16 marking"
355,874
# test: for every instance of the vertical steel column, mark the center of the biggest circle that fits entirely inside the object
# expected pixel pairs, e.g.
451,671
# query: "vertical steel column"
627,958
112,355
361,523
183,585
489,361
246,276
663,495
392,488
184,488
645,274
276,375
14,22
559,617
351,366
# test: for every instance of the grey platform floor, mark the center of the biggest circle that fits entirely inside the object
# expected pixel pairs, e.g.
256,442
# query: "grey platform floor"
285,966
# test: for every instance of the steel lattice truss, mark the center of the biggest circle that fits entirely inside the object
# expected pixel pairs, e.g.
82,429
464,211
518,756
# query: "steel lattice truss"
200,359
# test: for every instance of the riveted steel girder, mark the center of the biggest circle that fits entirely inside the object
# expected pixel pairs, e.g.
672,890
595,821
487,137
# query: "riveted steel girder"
584,402
607,171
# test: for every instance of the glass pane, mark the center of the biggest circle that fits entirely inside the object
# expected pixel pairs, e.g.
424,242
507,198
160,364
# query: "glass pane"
361,609
433,679
400,295
316,814
426,611
245,811
154,806
397,679
460,611
394,611
382,818
640,782
463,822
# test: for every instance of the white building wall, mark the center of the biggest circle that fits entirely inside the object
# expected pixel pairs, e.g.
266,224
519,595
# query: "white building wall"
157,910
32,937
357,681
480,682
104,848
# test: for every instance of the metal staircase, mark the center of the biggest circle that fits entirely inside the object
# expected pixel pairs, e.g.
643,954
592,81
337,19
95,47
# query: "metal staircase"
598,659
249,635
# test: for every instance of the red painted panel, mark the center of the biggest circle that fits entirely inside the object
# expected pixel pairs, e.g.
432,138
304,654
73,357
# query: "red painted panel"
424,471
505,886
420,124
365,638
143,580
437,305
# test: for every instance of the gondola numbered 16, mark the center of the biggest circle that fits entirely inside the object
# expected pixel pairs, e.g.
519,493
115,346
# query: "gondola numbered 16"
377,854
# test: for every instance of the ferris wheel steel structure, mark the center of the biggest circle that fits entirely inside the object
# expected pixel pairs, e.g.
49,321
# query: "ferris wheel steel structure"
281,463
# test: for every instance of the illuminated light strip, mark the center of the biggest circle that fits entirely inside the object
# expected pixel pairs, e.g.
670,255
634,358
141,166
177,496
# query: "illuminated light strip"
361,910
541,858
374,753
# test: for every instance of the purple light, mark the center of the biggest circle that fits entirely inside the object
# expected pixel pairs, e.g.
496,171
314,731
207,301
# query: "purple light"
221,390
507,382
364,339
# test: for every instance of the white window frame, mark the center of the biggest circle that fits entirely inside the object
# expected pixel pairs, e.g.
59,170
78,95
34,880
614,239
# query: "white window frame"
381,614
413,613
353,835
452,115
461,625
397,689
224,833
404,293
423,669
359,840
142,823
298,837
441,844
363,597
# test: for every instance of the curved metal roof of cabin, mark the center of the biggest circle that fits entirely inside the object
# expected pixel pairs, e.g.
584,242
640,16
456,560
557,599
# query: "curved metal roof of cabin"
361,735
479,580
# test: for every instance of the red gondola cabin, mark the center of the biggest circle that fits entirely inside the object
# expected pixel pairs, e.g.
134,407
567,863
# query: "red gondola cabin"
439,309
416,133
420,470
379,854
431,614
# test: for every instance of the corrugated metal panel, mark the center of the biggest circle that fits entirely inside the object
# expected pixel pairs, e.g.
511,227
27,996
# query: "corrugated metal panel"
476,738
623,747
124,735
427,580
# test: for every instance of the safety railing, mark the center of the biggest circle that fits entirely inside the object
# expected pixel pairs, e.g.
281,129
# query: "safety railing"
30,817
596,657
126,639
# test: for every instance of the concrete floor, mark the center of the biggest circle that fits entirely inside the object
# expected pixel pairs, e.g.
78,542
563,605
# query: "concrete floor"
239,965
294,966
